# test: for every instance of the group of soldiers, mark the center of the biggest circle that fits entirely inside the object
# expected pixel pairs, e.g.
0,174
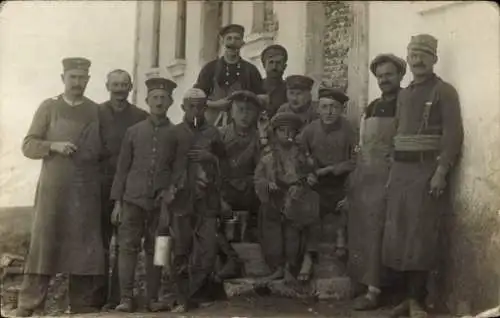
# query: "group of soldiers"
245,144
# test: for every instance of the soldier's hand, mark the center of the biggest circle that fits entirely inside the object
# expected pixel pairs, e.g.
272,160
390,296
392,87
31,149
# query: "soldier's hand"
312,179
438,184
273,186
63,147
198,155
116,214
342,205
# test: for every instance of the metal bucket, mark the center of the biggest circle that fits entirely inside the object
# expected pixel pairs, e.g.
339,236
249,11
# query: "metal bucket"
163,251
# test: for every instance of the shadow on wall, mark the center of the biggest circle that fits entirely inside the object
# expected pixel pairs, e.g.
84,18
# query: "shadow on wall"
15,229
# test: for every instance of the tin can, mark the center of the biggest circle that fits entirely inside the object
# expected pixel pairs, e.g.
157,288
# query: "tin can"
163,250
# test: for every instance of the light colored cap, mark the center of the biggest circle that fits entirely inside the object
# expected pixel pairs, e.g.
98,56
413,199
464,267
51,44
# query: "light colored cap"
194,93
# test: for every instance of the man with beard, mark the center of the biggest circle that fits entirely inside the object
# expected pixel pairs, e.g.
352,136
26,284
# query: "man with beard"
116,116
227,74
241,142
298,92
197,161
428,141
66,232
137,188
366,195
330,142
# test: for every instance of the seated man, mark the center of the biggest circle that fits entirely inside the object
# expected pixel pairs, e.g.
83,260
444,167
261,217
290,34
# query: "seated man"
241,141
289,206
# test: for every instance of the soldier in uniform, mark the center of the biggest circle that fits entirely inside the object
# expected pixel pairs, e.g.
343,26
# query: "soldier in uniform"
330,142
116,116
241,141
227,74
139,183
366,195
289,206
298,92
427,144
197,161
66,232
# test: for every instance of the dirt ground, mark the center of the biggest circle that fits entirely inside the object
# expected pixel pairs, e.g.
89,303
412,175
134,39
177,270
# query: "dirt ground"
255,306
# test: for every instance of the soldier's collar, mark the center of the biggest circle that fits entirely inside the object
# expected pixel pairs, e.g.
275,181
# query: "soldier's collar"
427,80
159,121
331,127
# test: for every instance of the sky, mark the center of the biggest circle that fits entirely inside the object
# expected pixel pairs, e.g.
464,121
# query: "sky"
35,36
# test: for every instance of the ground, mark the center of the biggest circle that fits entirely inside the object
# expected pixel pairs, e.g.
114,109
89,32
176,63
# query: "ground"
266,306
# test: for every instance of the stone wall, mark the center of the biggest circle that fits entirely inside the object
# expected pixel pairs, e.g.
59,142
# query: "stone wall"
336,41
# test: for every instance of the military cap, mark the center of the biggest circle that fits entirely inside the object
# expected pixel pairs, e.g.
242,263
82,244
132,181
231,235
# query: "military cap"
236,28
76,63
194,94
286,119
245,96
160,83
423,42
388,57
273,50
333,93
299,82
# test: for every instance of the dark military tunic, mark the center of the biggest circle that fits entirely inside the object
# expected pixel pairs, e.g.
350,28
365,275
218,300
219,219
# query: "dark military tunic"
413,216
218,79
367,192
66,232
276,90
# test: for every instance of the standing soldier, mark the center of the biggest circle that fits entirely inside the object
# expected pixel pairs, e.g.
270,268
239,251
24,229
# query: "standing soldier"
330,142
116,116
138,184
426,146
298,92
66,233
367,191
196,157
227,74
241,142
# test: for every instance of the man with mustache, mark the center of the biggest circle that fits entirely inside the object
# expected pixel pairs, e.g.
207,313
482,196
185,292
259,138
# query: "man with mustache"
116,116
298,92
138,187
330,142
427,144
366,195
66,232
227,74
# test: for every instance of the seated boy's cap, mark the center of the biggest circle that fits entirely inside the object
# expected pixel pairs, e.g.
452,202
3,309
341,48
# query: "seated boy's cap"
299,82
286,119
388,57
160,83
76,63
235,28
194,93
246,96
333,93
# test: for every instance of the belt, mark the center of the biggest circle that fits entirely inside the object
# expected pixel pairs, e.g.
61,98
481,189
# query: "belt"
416,156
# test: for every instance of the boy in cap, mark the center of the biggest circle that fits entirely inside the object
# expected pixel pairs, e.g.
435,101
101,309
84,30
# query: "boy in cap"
367,191
289,206
65,235
298,92
241,141
427,144
139,183
197,160
330,142
227,74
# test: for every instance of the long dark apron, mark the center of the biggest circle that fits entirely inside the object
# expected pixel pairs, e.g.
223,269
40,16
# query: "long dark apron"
367,200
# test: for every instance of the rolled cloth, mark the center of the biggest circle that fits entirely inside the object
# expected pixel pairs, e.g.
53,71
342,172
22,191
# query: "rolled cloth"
417,142
194,93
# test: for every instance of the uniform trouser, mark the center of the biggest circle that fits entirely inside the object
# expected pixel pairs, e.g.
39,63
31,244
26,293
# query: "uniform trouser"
108,285
35,287
271,235
136,224
195,252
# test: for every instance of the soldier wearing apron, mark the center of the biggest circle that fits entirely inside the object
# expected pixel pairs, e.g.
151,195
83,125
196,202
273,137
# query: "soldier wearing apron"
366,195
427,144
227,74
